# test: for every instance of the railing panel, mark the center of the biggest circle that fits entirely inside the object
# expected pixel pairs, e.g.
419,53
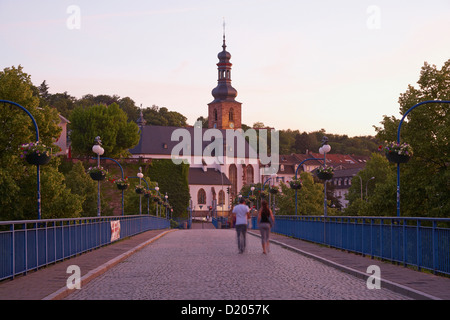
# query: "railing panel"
410,241
28,245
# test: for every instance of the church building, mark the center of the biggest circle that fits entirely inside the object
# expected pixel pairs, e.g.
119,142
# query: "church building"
219,156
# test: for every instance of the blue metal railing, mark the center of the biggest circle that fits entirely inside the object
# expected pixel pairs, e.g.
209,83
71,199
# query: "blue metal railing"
220,222
418,242
32,244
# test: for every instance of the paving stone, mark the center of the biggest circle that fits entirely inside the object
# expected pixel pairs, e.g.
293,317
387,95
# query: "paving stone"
205,265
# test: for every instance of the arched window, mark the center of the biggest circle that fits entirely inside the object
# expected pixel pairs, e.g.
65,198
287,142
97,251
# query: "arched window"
232,175
231,115
249,171
201,197
221,198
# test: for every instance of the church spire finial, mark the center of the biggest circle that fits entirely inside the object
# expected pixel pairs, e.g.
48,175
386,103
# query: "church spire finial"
224,45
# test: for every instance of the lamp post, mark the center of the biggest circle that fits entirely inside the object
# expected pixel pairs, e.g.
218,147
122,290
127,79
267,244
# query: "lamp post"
324,149
97,148
398,141
38,171
273,176
360,179
296,171
140,175
366,187
157,204
262,188
166,197
121,169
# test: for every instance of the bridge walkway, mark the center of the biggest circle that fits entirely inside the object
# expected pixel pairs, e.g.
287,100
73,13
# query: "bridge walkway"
217,247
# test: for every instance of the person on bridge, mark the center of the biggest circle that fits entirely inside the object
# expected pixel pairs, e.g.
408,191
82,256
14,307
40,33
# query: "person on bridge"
265,221
242,213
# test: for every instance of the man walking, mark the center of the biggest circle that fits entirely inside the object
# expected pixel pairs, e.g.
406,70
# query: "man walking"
242,213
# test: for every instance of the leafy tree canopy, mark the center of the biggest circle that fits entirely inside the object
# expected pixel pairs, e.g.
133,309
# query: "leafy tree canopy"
110,123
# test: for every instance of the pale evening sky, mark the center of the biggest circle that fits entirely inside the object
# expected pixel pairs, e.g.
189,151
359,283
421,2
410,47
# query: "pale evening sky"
307,65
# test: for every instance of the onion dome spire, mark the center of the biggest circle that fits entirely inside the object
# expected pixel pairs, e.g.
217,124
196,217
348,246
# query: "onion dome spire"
224,91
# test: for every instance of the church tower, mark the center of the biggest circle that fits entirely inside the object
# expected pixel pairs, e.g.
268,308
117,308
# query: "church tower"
224,112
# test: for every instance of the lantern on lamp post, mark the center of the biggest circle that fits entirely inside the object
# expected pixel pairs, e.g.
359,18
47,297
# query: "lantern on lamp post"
97,148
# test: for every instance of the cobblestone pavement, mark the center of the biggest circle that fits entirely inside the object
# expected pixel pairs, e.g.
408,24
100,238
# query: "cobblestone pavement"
205,265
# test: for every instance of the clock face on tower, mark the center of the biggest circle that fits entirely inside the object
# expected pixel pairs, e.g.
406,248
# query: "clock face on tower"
231,125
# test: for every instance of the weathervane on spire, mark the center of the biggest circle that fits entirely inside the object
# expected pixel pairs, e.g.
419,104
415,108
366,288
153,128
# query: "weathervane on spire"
224,45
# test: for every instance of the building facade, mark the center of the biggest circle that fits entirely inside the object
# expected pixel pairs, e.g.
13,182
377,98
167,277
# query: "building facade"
221,160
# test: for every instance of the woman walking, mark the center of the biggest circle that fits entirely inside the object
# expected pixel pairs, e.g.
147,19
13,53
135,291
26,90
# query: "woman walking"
265,220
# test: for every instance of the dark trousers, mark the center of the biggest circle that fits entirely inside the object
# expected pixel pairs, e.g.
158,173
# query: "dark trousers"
241,231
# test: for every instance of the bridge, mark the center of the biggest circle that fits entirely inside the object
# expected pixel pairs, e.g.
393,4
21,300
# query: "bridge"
202,263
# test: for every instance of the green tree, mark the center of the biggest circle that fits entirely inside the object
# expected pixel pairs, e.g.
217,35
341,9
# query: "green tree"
82,185
117,134
17,191
425,190
157,116
17,127
63,102
310,197
381,189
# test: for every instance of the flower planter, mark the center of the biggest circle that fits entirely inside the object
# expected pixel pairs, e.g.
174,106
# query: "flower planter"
139,191
147,195
295,184
397,158
37,158
122,186
155,199
324,175
98,176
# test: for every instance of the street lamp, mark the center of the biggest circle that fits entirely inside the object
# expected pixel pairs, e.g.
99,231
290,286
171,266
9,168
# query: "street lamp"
366,187
97,148
398,141
157,204
38,171
140,175
296,171
166,197
324,149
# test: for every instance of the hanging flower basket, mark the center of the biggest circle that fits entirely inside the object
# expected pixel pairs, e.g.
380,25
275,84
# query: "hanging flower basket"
140,189
97,173
122,184
147,193
36,153
325,173
274,190
264,194
156,198
252,198
296,184
398,153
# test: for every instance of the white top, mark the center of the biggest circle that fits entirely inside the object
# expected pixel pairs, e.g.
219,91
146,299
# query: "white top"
241,213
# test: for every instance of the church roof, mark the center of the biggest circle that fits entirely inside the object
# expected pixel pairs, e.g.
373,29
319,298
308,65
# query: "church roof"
208,177
157,140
